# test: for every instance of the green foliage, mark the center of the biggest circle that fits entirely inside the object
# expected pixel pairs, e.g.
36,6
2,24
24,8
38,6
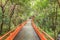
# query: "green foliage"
46,13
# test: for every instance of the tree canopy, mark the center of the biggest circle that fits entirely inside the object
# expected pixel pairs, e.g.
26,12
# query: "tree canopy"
46,14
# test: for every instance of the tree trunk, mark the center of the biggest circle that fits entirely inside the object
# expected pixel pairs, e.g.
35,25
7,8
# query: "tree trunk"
9,24
2,19
12,12
54,35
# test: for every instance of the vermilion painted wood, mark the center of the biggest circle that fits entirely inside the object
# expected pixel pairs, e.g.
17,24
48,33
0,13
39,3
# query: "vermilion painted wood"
5,34
0,37
46,34
12,35
41,35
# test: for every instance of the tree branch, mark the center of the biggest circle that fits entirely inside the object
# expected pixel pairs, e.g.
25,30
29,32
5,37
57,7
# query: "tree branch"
5,3
58,2
1,3
12,10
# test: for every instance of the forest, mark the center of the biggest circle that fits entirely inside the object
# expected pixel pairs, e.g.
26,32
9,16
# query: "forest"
46,15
